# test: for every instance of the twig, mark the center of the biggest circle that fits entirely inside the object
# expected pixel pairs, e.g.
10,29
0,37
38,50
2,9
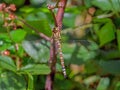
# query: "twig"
51,10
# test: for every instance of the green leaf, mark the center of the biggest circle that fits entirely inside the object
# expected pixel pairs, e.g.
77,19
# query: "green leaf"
118,38
30,82
102,4
106,34
17,35
103,84
35,69
7,63
33,46
110,66
39,26
12,81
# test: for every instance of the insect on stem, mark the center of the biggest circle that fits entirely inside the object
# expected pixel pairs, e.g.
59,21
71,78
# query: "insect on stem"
57,37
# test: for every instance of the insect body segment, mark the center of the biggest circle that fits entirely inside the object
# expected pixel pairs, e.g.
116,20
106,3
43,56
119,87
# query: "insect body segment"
57,38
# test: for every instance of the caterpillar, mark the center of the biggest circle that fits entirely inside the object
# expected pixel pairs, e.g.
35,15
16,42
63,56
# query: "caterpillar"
57,37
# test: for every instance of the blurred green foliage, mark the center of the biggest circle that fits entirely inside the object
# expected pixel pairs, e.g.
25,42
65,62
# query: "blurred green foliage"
91,52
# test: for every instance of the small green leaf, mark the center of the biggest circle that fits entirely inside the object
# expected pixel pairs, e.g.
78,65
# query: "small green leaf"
103,84
118,38
35,69
17,35
106,34
7,63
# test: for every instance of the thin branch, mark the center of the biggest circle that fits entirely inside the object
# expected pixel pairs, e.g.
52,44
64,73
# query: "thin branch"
44,36
51,10
36,30
52,63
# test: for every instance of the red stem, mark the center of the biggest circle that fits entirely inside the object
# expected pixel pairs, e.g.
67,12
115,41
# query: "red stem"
52,62
60,13
53,55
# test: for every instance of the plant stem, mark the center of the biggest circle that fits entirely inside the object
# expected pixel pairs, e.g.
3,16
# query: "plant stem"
52,65
53,55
